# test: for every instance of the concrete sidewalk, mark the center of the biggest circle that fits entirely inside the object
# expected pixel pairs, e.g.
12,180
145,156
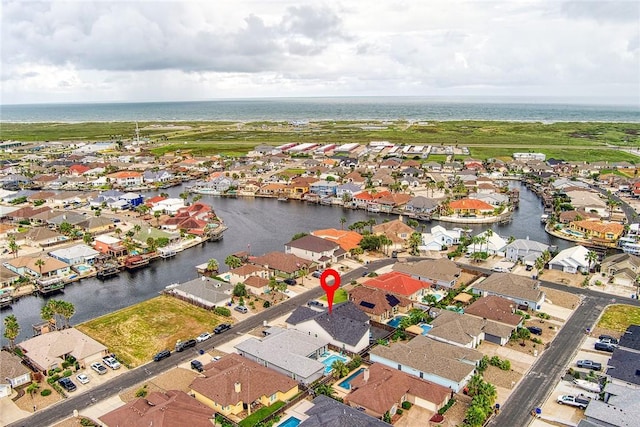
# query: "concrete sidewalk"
102,407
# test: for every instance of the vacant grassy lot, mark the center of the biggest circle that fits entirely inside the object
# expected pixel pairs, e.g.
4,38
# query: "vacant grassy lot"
136,333
339,296
619,317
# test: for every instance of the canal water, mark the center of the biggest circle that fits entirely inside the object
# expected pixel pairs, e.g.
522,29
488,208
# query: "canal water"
255,225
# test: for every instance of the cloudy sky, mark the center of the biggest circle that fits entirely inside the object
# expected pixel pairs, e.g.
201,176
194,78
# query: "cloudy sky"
86,51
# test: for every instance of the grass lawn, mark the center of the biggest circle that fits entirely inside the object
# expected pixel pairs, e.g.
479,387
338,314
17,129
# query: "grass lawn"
619,317
339,296
261,414
136,333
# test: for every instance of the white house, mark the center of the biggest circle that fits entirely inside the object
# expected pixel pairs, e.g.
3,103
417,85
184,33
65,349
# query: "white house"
315,249
571,260
169,206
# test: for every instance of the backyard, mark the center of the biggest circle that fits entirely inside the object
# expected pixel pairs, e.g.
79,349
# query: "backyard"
136,333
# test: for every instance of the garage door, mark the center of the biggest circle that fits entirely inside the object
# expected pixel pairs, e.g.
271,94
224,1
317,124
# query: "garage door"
492,338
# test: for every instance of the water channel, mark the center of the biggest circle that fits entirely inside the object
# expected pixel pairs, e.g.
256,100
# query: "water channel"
258,225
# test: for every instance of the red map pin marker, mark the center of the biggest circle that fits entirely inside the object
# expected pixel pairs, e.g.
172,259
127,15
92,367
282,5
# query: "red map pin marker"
330,289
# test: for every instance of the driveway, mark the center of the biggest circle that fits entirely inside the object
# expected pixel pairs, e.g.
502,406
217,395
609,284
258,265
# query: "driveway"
416,416
9,411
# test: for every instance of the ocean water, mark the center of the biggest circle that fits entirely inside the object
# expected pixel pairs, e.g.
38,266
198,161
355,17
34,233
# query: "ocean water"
316,109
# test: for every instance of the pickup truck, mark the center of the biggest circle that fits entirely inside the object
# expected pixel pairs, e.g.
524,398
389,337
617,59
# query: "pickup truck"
589,364
577,401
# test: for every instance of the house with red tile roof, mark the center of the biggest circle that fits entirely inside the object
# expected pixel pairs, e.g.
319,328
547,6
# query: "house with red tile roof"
399,284
602,232
77,170
468,206
126,178
157,409
382,389
347,239
379,304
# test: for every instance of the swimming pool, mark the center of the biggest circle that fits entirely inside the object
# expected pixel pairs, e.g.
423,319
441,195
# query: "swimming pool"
455,308
395,321
425,328
347,381
329,361
82,268
290,422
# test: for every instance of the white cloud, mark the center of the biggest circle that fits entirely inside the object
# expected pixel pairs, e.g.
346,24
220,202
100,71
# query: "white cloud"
143,50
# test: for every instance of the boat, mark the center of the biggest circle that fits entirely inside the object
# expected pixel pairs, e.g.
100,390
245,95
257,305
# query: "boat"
588,385
107,271
283,199
136,261
5,301
544,218
167,252
51,285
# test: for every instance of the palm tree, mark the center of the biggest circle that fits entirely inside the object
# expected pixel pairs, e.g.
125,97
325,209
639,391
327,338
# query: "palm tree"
157,215
488,235
212,265
342,221
66,310
11,330
87,238
325,389
137,228
13,246
40,263
233,261
414,241
339,369
591,257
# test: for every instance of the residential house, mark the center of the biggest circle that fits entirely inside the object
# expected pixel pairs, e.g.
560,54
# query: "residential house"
441,363
12,373
132,199
242,273
618,408
160,409
468,331
281,264
77,254
606,233
497,309
623,268
441,273
329,412
347,239
324,188
571,260
347,327
396,231
170,206
204,292
470,207
522,290
48,351
257,285
379,305
439,238
7,278
291,352
488,242
525,250
160,176
28,266
126,178
43,237
109,245
300,186
235,383
399,284
588,201
316,249
421,206
96,225
381,389
349,189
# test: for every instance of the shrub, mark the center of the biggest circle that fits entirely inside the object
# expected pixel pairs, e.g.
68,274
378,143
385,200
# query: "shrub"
45,392
505,365
142,392
65,364
494,361
446,407
67,373
576,375
266,304
399,411
222,311
484,362
406,405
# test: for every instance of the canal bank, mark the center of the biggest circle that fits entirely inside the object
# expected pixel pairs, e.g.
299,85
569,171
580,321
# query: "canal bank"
256,225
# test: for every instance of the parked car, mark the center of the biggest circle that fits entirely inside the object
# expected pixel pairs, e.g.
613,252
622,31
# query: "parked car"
608,339
589,364
604,346
111,362
183,345
317,273
578,401
290,281
197,365
535,330
99,368
221,328
161,355
203,337
67,384
315,304
82,378
241,309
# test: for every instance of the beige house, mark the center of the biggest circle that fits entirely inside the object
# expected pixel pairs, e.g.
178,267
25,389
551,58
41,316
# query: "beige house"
12,373
49,350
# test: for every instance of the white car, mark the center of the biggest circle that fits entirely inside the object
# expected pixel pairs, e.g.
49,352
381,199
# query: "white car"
99,368
111,362
82,378
203,337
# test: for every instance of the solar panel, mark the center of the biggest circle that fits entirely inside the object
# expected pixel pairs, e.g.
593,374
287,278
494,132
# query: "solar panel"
392,300
367,304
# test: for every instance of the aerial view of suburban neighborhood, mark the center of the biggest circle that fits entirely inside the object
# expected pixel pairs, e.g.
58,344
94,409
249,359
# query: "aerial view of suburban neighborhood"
145,282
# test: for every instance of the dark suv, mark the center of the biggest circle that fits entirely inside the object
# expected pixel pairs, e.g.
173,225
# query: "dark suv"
161,355
67,384
535,330
197,365
185,344
315,304
221,328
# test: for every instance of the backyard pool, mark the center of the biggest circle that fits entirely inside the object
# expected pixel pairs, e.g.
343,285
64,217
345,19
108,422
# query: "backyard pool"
329,361
455,308
290,422
82,268
347,381
425,328
395,321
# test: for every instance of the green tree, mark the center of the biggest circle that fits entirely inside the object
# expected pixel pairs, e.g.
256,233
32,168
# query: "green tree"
213,265
40,263
414,241
33,388
66,228
87,238
233,261
240,290
413,223
13,246
524,334
156,215
152,245
298,236
325,389
591,257
11,330
342,221
339,369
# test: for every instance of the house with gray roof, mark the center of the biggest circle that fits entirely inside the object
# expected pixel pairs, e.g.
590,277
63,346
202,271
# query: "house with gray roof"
329,412
468,331
77,254
522,290
521,248
316,249
421,205
619,407
622,268
347,327
445,364
442,272
12,373
204,291
624,367
288,351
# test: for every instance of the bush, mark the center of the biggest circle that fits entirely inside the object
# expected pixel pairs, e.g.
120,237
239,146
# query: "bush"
494,361
222,311
266,304
67,373
406,405
45,392
446,407
505,365
142,392
399,411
